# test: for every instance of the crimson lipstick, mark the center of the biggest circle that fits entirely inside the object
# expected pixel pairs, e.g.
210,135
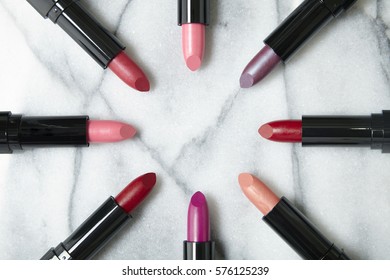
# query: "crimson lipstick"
104,223
193,17
198,245
291,35
358,131
99,43
288,222
18,132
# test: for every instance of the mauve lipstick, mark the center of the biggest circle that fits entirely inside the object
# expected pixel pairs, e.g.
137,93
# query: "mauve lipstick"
96,40
198,245
291,35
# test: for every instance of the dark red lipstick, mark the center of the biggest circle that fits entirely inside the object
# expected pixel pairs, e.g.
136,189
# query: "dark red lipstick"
104,223
367,131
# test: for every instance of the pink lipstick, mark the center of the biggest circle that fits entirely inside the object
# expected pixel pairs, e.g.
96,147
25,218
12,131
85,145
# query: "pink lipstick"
96,40
104,223
193,16
18,132
198,245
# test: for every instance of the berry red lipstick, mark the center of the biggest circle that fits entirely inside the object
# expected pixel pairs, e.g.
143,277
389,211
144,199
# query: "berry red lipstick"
198,245
18,132
371,131
288,222
193,16
99,43
104,223
291,35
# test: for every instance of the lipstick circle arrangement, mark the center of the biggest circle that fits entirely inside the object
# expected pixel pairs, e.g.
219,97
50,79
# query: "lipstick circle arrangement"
19,132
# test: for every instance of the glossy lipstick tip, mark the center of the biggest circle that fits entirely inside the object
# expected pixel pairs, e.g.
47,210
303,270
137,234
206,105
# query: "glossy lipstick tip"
129,72
259,67
266,131
246,80
289,131
198,227
193,43
109,131
135,192
258,193
193,62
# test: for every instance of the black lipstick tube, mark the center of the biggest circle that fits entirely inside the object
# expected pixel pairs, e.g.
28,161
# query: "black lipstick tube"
198,250
303,23
193,11
371,131
18,132
75,20
92,235
306,240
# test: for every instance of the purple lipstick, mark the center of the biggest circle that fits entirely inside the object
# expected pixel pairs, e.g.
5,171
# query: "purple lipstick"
198,245
291,35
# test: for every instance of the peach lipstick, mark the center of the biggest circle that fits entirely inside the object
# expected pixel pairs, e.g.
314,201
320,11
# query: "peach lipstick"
288,222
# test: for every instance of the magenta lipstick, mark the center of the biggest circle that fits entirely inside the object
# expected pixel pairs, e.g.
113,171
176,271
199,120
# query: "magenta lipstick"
291,35
198,245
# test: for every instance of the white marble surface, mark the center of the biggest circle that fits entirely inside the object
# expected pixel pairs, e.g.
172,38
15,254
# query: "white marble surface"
198,131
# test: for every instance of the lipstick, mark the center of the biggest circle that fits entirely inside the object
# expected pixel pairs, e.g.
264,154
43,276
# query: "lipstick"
198,245
357,131
288,222
104,223
18,132
193,17
97,41
290,35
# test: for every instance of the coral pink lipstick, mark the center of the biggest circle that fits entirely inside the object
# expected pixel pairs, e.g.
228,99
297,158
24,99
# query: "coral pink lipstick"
288,222
291,35
193,16
198,245
99,43
357,131
104,223
18,132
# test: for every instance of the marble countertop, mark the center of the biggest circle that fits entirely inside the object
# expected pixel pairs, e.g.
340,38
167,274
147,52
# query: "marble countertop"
197,131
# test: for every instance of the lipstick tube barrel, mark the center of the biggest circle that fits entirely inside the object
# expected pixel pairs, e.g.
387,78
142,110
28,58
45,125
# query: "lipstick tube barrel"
304,22
373,131
301,234
18,132
92,235
198,250
79,24
193,12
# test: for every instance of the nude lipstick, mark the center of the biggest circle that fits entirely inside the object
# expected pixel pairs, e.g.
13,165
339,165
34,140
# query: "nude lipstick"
99,43
193,17
198,245
104,223
288,222
290,36
358,131
18,132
